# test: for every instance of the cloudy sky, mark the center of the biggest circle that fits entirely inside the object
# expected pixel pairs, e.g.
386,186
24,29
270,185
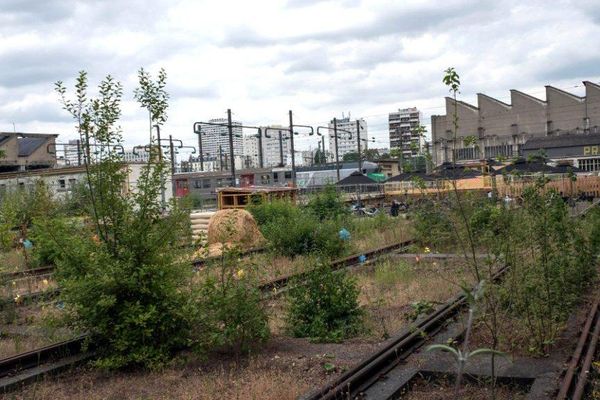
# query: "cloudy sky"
261,58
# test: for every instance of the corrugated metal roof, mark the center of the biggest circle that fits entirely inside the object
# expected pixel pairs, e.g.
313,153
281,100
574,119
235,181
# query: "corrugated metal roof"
28,145
569,140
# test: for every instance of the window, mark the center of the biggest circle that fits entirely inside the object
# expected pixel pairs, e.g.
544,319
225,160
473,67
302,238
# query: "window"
470,153
275,176
589,164
198,184
61,184
502,150
288,174
205,183
265,179
72,183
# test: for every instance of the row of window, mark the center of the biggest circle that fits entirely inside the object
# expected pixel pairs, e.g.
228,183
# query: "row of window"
589,164
264,179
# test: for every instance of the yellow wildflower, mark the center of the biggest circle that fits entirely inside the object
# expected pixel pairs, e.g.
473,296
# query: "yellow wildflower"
426,250
240,273
45,282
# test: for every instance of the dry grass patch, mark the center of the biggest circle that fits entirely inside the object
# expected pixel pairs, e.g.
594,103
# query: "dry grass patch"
396,290
13,260
422,389
28,327
376,232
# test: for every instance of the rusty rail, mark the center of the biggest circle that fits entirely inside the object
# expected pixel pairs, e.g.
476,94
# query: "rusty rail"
571,386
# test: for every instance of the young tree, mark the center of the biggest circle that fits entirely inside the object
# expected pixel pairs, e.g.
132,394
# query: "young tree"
121,279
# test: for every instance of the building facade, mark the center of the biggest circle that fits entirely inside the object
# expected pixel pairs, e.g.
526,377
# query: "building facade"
275,147
347,141
578,150
499,129
404,128
27,151
215,139
62,181
136,155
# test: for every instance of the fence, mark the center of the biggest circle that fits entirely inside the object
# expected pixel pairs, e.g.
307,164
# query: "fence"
587,186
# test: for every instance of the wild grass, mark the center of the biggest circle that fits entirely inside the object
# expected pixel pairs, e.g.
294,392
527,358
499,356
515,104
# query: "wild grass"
397,290
258,379
12,260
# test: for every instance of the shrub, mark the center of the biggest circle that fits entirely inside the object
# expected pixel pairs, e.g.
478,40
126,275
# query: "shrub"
432,225
327,204
232,314
552,262
267,212
292,230
324,306
300,232
121,278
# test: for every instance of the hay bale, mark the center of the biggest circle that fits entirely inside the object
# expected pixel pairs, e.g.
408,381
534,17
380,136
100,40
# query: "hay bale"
234,227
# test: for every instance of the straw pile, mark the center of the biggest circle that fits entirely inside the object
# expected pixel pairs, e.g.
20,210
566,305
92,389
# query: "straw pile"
228,228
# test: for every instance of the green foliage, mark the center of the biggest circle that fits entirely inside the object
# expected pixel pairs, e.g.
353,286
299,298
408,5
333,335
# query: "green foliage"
302,233
119,273
553,259
325,306
327,204
292,231
432,225
232,315
267,212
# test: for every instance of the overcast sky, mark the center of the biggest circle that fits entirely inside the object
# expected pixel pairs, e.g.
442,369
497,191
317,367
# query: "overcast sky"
261,58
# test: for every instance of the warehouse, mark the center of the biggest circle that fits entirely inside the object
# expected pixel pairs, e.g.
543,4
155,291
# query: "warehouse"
579,150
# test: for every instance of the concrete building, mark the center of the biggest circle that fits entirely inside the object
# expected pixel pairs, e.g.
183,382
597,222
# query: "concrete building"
140,155
347,142
26,151
193,164
217,137
273,148
251,151
404,131
501,129
61,181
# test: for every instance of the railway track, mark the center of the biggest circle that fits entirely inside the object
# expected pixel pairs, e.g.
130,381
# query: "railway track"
573,383
21,369
24,368
369,379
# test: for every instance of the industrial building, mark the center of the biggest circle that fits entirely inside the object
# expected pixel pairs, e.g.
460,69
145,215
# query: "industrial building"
501,129
579,150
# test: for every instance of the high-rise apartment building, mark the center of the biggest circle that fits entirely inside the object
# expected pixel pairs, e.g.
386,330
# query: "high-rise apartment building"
216,137
347,142
274,149
404,131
